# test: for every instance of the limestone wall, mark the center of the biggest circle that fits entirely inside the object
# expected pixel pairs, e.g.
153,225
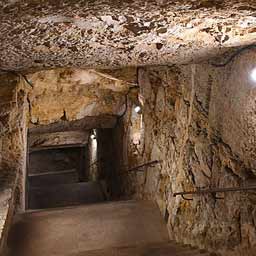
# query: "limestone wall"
13,109
73,94
200,121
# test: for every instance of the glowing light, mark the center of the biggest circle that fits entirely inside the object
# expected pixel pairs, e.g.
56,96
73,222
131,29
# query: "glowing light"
253,75
137,109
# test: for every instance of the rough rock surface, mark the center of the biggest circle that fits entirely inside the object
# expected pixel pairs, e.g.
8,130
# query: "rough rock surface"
87,123
57,139
200,121
96,33
13,109
72,94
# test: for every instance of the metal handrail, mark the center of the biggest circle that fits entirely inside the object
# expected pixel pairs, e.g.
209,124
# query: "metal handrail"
133,169
213,191
144,165
138,168
51,173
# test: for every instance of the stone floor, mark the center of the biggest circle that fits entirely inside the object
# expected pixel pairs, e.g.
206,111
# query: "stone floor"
127,228
76,230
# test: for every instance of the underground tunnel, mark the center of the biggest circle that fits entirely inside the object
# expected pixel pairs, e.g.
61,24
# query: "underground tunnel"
127,128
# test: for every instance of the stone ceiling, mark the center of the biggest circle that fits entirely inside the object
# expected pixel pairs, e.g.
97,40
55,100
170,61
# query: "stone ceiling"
47,34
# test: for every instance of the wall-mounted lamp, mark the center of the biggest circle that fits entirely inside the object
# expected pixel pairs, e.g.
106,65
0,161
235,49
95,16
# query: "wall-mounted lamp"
138,109
253,75
93,135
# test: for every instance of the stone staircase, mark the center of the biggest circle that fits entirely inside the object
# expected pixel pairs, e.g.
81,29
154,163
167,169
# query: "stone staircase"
133,228
161,249
62,195
62,188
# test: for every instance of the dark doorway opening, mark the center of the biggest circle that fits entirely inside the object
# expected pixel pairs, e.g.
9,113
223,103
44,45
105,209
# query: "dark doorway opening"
58,177
73,167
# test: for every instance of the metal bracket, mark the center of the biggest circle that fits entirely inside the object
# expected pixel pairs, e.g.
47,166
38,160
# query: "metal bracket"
187,199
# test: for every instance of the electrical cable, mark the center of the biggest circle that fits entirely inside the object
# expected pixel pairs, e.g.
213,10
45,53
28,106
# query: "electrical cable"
233,56
19,75
126,99
218,65
119,117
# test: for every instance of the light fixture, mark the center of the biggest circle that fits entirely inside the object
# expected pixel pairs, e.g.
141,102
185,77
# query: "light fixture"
137,109
93,137
93,134
253,75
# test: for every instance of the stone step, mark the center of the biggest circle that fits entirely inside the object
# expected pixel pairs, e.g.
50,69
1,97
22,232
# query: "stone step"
53,178
67,231
65,195
162,249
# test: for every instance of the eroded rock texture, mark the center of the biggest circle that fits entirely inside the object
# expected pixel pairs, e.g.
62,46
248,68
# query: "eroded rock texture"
73,94
200,121
13,109
112,33
57,139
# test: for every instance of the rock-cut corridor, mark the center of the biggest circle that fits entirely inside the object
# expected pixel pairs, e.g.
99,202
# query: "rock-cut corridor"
127,128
